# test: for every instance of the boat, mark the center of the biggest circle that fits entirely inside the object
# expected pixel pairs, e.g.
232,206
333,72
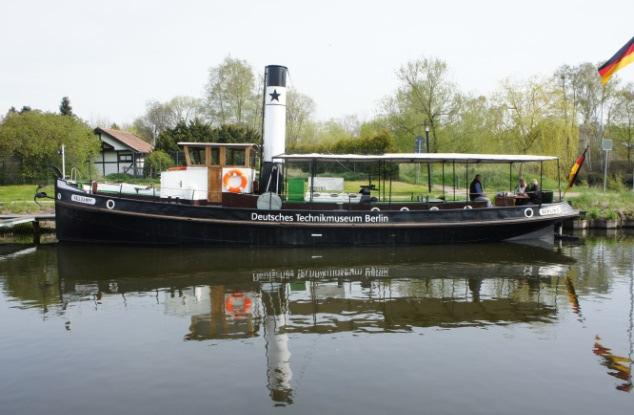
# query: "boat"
224,196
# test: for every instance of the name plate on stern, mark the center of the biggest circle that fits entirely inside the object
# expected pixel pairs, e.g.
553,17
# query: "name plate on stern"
83,199
550,210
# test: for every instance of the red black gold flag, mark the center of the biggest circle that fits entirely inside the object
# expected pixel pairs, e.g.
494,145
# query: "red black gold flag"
574,171
620,60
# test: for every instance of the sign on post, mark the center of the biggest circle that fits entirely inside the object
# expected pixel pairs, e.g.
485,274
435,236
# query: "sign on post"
419,144
606,144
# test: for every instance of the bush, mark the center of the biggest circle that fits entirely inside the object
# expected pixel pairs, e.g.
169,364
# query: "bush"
156,162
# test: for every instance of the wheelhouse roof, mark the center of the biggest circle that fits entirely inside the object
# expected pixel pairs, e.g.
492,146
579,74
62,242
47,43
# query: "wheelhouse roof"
418,157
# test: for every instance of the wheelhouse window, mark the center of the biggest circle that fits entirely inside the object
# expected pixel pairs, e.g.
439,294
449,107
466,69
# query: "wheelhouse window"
235,157
197,155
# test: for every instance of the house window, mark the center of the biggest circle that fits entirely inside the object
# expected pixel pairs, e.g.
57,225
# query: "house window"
125,157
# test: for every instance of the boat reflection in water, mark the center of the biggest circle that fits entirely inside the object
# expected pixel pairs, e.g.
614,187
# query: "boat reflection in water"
238,294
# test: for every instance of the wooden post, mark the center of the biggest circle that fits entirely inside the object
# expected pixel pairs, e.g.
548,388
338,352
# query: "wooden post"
36,232
188,160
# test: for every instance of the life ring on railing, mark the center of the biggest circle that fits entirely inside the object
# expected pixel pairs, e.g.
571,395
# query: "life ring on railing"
229,179
433,208
237,303
467,207
404,209
375,209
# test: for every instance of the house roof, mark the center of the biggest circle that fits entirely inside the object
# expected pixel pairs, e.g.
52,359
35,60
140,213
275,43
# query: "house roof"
128,139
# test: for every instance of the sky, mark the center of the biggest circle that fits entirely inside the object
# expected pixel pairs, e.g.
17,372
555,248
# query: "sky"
113,57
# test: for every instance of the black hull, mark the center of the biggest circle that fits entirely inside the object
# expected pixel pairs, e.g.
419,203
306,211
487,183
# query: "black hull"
127,221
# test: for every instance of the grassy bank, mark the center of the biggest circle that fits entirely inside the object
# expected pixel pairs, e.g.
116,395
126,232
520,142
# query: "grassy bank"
18,199
599,205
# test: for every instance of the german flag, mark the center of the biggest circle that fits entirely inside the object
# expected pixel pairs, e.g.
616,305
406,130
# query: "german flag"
620,60
574,171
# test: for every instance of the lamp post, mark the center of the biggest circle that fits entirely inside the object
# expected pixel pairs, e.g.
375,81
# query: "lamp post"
428,164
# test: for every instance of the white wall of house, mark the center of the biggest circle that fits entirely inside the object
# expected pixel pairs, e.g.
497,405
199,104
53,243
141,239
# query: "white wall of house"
117,160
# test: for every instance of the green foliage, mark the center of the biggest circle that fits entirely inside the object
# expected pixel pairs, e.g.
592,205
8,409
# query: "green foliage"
235,134
156,162
194,131
201,132
35,137
369,143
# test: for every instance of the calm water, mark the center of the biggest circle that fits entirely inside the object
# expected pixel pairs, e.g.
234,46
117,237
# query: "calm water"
491,329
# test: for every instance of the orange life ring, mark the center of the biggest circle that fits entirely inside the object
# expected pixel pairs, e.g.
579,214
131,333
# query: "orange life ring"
237,303
226,179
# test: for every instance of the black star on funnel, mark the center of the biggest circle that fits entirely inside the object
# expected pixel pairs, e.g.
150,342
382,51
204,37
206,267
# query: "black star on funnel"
275,96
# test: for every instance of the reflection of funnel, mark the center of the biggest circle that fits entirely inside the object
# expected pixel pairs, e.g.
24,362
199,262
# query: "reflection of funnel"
278,355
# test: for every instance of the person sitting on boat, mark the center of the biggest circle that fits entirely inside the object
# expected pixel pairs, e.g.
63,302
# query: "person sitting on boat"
521,197
476,191
366,195
534,192
522,187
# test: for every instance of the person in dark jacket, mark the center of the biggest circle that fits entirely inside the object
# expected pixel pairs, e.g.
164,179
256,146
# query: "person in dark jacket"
534,192
476,191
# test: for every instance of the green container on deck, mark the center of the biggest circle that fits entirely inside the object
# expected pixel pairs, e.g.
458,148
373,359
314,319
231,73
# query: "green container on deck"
296,189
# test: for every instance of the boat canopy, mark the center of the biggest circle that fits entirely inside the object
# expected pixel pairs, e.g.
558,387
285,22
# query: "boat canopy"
216,145
418,157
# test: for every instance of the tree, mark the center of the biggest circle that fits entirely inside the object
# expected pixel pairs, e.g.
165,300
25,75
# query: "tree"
65,108
156,162
199,131
162,116
193,131
230,96
474,126
624,130
424,97
34,137
299,110
526,106
186,108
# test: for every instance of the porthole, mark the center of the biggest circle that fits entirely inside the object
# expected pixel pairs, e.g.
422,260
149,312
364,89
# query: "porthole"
528,212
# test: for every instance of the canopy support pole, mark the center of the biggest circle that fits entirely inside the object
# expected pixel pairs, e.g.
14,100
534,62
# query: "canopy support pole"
390,192
541,175
510,177
453,166
312,178
443,180
558,180
466,180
